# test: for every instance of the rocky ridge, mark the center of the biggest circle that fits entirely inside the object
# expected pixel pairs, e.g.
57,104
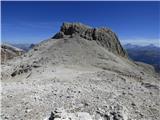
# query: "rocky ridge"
103,36
9,52
72,77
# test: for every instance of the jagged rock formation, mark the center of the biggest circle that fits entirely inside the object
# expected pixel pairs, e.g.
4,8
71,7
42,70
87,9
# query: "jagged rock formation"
86,72
8,52
103,36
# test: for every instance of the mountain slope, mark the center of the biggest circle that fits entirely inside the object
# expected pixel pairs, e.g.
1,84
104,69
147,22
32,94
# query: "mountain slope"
9,51
78,76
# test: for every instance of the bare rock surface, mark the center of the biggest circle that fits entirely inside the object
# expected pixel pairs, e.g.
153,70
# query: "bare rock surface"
103,36
9,51
74,78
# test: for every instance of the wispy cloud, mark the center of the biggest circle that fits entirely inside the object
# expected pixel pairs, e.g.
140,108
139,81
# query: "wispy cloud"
142,41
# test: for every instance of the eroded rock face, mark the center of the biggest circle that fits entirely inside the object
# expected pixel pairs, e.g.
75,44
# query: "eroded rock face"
103,36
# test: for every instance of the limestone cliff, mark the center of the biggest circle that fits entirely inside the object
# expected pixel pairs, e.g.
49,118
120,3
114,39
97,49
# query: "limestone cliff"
103,36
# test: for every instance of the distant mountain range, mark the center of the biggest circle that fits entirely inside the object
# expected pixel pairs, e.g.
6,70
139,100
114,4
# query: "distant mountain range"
148,54
24,46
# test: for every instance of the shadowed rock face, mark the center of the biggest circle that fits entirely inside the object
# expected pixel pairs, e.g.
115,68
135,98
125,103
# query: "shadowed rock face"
103,36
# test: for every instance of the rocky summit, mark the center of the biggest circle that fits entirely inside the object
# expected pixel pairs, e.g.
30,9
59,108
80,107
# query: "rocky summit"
81,73
103,36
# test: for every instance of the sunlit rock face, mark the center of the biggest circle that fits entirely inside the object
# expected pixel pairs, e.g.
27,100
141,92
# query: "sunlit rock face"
103,36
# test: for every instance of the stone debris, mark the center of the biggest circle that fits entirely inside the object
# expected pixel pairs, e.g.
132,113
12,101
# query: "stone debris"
61,114
82,73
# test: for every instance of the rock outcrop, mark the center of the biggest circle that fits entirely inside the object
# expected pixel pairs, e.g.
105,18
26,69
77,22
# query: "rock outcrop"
8,52
103,36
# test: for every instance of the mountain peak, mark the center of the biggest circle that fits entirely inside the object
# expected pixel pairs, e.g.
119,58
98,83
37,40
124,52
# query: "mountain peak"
70,28
103,36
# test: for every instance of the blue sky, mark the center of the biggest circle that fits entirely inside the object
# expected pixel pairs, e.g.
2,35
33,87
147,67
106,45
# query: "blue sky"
32,22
